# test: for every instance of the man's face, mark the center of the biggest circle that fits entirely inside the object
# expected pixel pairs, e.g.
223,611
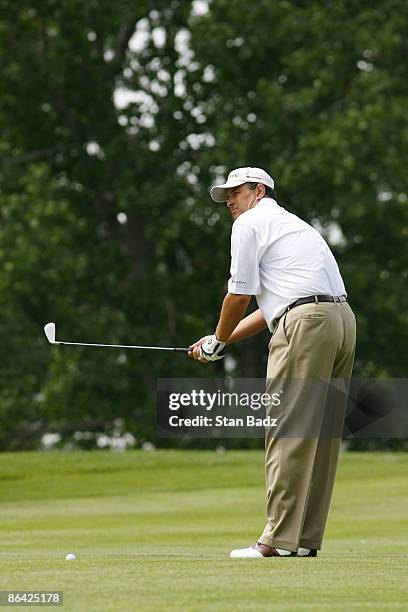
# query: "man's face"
241,198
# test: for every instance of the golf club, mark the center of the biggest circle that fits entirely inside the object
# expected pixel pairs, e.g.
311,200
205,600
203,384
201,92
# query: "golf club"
50,332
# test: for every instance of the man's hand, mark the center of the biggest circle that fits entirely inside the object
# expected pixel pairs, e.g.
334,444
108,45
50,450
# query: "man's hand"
195,350
211,351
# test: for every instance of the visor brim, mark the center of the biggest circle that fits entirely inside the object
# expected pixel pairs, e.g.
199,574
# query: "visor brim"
219,192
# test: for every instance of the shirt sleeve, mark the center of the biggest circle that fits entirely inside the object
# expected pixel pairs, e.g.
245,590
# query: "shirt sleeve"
244,261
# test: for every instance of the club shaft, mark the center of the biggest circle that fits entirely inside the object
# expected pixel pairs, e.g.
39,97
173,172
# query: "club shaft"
127,346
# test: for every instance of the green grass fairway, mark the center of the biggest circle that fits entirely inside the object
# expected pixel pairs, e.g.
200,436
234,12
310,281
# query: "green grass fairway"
153,530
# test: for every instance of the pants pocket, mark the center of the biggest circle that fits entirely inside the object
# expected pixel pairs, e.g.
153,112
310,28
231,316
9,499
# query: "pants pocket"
314,315
279,335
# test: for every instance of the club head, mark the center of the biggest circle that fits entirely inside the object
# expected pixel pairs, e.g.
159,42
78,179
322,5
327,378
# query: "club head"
49,330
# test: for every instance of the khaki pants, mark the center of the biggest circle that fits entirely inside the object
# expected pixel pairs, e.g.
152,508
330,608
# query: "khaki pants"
312,341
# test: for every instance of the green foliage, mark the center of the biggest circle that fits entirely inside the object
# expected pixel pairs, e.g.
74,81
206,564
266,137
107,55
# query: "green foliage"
314,92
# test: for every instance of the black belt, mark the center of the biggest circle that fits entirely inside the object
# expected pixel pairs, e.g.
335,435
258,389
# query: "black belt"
310,300
316,299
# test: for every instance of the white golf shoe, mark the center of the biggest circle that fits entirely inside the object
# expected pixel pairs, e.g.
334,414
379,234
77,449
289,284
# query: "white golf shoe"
246,553
259,551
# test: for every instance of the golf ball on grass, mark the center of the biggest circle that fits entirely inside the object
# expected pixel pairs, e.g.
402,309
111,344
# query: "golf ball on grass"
70,557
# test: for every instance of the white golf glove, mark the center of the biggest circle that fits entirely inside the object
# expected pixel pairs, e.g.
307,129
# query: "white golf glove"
212,349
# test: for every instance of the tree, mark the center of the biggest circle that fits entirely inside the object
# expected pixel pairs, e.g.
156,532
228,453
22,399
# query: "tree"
115,120
323,108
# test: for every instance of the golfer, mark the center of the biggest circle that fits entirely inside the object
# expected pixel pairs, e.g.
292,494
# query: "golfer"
287,265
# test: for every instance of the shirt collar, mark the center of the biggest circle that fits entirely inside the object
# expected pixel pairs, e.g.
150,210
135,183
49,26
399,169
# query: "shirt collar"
268,202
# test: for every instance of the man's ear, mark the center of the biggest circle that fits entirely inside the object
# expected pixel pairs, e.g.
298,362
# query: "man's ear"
260,191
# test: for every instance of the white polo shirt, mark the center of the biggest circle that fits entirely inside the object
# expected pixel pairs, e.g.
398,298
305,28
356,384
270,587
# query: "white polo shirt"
279,258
